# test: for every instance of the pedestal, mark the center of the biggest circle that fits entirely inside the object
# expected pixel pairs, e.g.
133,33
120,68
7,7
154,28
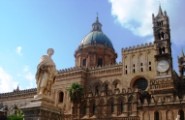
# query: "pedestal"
41,108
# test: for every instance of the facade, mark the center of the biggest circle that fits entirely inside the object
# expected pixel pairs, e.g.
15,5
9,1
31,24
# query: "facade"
144,86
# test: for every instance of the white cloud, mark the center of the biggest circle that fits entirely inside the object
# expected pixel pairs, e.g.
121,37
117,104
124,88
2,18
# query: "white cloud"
7,84
135,15
28,75
19,50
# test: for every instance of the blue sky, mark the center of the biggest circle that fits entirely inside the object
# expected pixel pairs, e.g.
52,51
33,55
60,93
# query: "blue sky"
29,27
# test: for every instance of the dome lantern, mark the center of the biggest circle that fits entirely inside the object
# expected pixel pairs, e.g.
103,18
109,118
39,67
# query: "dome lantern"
96,26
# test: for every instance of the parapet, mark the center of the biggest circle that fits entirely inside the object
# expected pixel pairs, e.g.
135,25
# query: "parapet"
138,47
19,93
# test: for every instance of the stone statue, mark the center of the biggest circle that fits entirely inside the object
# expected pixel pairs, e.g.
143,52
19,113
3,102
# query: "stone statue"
46,72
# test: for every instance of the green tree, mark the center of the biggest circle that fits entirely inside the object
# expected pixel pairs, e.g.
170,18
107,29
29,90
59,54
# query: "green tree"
18,114
75,92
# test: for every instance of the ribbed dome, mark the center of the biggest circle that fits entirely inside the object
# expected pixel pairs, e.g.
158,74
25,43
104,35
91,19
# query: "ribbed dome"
96,37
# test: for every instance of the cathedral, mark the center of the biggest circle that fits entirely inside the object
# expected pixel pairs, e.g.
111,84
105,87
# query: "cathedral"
143,86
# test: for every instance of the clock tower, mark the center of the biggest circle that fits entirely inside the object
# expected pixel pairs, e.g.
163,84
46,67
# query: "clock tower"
163,57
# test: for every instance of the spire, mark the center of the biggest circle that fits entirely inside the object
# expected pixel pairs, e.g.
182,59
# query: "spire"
96,26
182,53
160,13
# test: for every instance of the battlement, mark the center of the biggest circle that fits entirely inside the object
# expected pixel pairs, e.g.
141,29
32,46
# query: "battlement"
105,66
138,47
75,72
19,93
107,70
72,69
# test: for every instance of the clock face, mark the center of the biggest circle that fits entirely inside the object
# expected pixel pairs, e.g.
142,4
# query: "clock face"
163,66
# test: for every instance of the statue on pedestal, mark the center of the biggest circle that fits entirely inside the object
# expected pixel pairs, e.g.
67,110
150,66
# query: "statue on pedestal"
46,72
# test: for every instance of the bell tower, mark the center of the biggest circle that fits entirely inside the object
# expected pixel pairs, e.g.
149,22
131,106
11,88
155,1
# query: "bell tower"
163,56
162,42
181,61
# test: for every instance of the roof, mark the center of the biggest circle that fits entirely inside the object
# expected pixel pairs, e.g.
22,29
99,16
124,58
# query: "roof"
96,36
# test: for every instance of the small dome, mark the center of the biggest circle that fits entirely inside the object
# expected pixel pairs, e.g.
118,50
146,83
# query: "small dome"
96,37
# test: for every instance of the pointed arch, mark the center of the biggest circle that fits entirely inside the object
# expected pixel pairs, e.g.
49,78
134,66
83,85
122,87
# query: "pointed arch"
120,105
110,105
106,87
116,83
92,107
83,107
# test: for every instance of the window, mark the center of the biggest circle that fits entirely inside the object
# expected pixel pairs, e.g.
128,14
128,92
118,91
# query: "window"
150,68
141,83
133,70
141,67
100,62
126,69
93,108
61,97
181,113
83,108
141,64
121,106
115,85
112,107
106,89
149,64
156,115
84,62
96,90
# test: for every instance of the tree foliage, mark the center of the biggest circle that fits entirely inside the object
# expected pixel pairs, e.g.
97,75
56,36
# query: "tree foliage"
18,114
75,92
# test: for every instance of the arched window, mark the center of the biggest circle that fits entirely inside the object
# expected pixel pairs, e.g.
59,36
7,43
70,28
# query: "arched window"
130,100
115,85
83,108
93,108
156,115
96,89
61,97
181,113
100,61
112,106
121,106
84,62
106,88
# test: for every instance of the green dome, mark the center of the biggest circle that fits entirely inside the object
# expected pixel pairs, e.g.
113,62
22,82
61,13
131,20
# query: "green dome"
96,37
